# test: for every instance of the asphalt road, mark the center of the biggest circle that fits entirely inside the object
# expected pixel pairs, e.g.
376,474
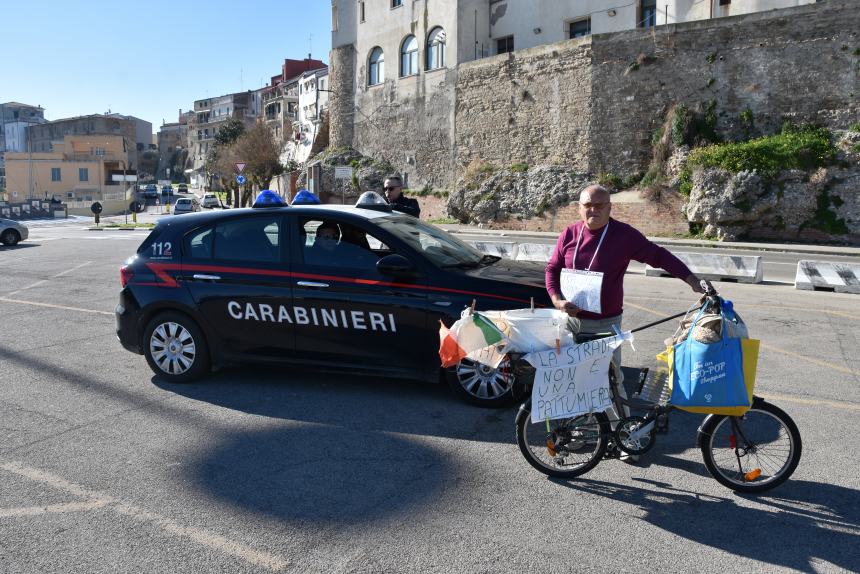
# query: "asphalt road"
105,468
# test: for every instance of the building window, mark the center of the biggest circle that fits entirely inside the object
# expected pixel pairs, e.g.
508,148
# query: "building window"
580,28
83,174
648,14
396,3
361,11
436,49
55,174
409,57
725,2
505,45
376,69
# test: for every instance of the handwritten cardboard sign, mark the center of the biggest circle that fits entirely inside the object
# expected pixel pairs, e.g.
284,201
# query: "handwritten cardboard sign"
574,381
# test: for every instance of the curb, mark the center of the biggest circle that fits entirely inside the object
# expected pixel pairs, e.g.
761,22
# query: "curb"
119,228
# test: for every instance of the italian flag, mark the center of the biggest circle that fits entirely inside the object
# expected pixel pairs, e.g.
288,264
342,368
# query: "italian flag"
469,334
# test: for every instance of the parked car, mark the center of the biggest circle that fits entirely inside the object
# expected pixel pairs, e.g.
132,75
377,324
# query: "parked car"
11,232
151,190
186,205
257,285
211,200
166,190
182,188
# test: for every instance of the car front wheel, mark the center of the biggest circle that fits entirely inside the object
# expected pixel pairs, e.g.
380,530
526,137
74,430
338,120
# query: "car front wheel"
481,384
175,348
10,237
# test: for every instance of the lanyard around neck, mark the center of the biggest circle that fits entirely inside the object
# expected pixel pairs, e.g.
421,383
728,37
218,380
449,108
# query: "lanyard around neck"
599,243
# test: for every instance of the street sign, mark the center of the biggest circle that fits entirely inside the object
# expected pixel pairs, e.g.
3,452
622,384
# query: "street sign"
120,177
240,179
343,172
240,167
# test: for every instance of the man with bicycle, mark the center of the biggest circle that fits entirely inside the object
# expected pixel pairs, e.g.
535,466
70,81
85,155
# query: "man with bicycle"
585,274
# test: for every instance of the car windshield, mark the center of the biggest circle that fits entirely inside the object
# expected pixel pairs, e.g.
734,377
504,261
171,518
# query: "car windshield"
443,249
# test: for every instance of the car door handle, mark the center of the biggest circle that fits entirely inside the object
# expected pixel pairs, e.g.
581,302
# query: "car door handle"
202,277
312,284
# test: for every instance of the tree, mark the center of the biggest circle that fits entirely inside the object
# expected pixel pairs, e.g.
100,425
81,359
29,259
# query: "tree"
220,159
261,154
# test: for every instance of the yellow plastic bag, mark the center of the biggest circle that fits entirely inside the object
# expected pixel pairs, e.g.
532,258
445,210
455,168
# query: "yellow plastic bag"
749,349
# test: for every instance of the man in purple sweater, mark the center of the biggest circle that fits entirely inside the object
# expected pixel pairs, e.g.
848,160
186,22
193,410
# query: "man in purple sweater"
585,275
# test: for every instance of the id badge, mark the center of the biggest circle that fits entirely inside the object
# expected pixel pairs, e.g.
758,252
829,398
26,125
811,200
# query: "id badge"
582,288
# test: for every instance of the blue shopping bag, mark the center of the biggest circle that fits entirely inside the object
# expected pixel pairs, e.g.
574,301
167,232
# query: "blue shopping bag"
708,374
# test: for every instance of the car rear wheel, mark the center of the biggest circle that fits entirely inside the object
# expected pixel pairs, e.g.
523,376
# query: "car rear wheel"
175,348
10,237
481,384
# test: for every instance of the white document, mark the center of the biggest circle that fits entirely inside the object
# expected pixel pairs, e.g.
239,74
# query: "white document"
582,288
575,381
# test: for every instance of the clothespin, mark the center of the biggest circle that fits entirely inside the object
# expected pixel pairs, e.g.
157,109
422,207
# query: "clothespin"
472,309
532,304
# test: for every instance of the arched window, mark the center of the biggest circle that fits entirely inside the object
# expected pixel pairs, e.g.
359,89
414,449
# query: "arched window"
409,56
436,49
376,69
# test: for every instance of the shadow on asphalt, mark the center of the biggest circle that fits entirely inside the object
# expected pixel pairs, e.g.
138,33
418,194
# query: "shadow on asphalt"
796,525
345,450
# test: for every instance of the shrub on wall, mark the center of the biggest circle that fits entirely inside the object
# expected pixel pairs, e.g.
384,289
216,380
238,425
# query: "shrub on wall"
795,147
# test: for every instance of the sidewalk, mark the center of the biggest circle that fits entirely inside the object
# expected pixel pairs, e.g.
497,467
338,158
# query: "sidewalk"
524,236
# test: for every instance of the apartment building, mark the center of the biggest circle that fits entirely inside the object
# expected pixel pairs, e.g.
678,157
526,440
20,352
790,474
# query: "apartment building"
425,35
136,133
171,140
313,95
15,118
77,168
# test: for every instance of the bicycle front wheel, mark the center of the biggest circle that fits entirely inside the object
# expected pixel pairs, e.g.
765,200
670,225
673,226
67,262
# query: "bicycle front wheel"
752,453
563,448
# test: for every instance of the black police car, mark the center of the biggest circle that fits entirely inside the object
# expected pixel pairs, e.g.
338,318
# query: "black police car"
332,287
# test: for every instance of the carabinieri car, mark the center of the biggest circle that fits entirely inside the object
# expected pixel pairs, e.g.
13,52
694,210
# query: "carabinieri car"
360,289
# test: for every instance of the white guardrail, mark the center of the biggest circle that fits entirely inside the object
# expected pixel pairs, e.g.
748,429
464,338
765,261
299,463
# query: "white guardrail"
711,266
716,267
827,276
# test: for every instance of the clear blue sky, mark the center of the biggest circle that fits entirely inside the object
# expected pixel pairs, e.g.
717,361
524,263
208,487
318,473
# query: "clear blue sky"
148,59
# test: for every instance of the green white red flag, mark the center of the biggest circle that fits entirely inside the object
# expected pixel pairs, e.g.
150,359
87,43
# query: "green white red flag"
471,333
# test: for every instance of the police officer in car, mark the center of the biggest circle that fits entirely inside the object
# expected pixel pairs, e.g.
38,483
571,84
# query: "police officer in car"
393,188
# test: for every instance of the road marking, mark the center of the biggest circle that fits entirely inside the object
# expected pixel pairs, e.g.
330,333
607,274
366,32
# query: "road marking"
36,284
66,272
781,307
43,281
812,360
772,348
98,500
802,401
52,306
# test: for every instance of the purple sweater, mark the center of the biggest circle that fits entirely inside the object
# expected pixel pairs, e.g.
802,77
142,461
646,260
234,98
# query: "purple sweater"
622,244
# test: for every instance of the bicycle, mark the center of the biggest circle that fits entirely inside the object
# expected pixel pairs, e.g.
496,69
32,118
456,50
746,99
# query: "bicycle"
751,453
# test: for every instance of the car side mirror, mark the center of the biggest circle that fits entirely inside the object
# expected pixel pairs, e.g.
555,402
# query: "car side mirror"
396,265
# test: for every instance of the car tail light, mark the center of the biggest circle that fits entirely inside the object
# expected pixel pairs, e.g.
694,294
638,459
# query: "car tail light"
125,275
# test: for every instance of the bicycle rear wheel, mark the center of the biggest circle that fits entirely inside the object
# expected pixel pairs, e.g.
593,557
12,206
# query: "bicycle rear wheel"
752,453
569,448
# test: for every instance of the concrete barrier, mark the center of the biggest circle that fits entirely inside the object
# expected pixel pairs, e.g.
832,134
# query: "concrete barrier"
716,267
534,252
826,276
507,250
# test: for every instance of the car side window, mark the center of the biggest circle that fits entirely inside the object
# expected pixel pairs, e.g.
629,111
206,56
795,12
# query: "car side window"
199,244
254,239
338,244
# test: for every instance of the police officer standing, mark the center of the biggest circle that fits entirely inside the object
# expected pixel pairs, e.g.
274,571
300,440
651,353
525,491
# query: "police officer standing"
393,187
